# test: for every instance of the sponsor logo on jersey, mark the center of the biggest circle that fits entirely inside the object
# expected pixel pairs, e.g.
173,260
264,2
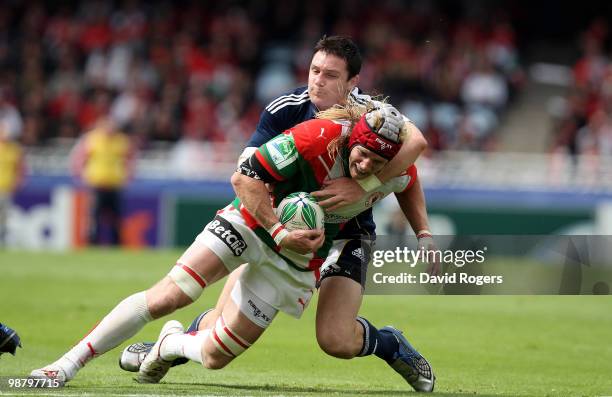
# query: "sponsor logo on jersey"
226,233
258,313
281,151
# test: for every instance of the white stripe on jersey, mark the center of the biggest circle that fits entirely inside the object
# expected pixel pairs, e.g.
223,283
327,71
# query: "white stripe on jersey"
287,103
324,165
360,98
284,98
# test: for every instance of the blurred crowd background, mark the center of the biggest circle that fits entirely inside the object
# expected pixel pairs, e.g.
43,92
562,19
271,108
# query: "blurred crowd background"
186,81
204,70
165,71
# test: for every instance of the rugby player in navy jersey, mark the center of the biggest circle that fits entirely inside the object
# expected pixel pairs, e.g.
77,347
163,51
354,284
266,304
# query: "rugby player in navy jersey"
282,265
341,332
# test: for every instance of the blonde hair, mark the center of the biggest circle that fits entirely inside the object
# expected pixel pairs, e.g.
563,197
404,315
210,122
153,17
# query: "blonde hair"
352,113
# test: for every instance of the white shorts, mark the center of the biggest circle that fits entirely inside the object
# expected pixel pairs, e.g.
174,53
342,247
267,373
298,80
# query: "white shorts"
266,275
255,309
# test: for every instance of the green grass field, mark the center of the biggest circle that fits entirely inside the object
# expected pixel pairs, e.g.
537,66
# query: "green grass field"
478,345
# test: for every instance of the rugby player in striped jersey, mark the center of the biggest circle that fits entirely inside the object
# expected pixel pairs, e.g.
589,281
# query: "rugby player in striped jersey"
282,271
340,331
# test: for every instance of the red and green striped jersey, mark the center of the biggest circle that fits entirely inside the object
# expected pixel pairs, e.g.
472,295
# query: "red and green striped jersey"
299,161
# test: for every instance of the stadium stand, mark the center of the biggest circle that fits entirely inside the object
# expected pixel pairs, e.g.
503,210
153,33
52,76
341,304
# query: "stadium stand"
198,71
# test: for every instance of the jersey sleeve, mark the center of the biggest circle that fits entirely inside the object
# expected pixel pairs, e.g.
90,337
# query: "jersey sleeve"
403,182
268,127
274,161
411,174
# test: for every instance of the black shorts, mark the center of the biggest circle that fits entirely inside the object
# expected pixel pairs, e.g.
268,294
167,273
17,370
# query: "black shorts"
348,258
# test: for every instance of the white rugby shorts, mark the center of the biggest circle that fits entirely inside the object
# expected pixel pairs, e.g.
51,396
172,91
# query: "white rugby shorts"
266,275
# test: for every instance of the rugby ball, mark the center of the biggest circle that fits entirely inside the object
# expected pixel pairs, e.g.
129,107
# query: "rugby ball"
300,211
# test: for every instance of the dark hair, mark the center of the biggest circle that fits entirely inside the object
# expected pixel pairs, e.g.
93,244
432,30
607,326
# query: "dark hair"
342,47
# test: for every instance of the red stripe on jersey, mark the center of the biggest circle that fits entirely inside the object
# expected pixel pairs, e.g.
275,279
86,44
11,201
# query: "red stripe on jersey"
268,167
194,275
214,334
315,263
249,219
231,335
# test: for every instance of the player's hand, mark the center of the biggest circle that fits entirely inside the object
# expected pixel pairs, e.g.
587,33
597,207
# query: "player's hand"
386,121
303,241
426,243
337,193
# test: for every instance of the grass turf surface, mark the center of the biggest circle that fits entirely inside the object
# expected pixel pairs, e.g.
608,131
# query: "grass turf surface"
478,345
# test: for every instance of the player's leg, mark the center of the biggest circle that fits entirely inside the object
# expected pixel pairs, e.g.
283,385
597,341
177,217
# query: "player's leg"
338,334
207,318
242,320
114,215
196,268
133,355
95,216
343,334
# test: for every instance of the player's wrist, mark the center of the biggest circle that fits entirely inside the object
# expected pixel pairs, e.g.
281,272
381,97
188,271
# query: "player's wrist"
278,231
369,183
423,233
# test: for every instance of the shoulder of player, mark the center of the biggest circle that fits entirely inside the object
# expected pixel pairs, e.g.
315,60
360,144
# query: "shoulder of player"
312,137
289,102
365,99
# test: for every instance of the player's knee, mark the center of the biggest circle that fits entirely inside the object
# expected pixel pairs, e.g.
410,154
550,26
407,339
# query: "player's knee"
336,343
179,289
189,282
161,302
225,345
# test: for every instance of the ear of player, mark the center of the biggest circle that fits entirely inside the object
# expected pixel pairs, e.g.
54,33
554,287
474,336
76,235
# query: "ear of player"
9,340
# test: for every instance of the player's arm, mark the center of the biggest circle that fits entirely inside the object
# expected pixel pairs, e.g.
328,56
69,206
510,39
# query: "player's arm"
412,203
340,192
411,149
255,198
249,184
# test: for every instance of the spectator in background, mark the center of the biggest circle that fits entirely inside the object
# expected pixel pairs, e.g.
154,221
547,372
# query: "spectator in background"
198,70
11,175
583,124
12,123
103,158
571,121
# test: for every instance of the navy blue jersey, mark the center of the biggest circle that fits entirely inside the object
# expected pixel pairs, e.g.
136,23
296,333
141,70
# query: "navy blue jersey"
289,110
